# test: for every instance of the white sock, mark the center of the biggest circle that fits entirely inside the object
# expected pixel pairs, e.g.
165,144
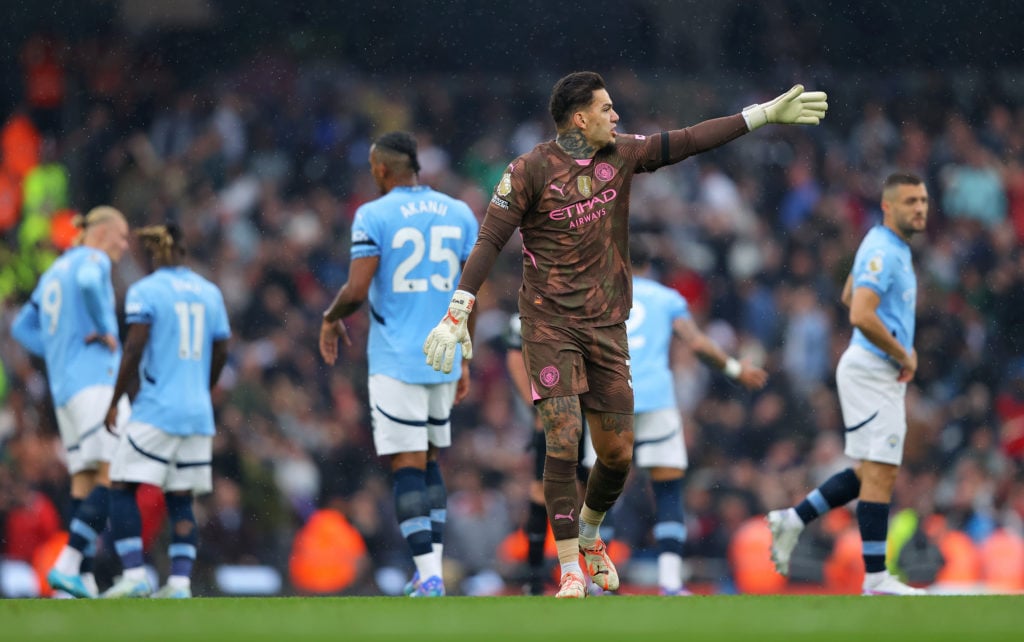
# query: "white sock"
670,571
136,574
69,562
792,518
428,565
90,583
571,567
179,582
439,553
871,579
590,526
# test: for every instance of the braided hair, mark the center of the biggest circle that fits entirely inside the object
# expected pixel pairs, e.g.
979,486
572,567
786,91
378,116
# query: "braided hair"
162,242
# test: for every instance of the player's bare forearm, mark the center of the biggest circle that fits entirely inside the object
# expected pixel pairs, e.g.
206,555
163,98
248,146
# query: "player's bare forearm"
563,426
217,360
356,289
342,305
876,332
847,296
864,316
128,375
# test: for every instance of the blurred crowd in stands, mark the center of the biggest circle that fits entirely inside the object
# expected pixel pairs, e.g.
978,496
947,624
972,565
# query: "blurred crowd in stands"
264,161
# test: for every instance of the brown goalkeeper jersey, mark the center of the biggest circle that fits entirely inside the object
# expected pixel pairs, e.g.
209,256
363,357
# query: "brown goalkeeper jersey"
574,219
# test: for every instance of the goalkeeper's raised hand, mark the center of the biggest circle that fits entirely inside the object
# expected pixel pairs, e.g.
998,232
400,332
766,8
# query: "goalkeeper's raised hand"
795,107
451,331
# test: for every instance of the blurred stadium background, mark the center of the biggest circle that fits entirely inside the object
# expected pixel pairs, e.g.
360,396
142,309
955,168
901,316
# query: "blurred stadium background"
248,122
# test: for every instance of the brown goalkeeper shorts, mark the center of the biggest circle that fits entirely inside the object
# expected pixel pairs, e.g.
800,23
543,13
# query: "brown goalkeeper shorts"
590,362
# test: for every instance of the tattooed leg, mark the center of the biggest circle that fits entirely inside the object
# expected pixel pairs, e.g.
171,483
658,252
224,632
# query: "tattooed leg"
563,428
612,434
562,419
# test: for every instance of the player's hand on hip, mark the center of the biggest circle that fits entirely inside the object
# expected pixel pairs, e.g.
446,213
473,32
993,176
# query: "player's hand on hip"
108,340
330,332
908,367
110,421
451,331
795,107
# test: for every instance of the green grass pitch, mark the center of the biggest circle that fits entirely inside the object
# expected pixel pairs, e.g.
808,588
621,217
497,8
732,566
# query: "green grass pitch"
519,619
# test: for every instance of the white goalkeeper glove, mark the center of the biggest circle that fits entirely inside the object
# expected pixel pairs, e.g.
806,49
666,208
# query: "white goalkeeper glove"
453,329
795,107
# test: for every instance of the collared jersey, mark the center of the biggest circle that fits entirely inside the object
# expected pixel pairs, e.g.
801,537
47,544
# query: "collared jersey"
422,238
884,264
57,319
186,314
649,329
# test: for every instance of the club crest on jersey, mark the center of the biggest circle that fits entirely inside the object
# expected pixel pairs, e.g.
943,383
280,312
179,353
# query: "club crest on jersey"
505,185
585,186
604,172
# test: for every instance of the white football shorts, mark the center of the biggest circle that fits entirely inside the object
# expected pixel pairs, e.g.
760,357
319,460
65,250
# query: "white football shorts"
148,455
407,417
873,405
80,421
657,441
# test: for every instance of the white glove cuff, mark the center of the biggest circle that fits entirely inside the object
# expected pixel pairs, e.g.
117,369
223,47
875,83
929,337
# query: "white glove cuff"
463,301
756,116
732,368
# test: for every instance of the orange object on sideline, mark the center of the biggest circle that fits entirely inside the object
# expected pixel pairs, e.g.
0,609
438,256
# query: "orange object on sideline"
750,558
326,554
45,556
963,560
19,144
515,547
10,200
62,231
1002,561
844,568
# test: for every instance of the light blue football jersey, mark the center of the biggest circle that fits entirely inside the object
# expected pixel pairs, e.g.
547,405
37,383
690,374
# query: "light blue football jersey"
649,329
884,264
422,237
73,299
186,314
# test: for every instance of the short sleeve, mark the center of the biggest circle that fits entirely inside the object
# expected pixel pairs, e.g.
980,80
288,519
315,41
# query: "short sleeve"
678,307
875,271
138,308
222,328
366,240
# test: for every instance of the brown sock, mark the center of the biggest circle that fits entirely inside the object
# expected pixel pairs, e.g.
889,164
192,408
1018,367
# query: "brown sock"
560,497
604,487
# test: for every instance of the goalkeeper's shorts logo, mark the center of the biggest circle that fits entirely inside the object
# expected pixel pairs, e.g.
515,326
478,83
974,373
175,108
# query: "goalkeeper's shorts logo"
549,376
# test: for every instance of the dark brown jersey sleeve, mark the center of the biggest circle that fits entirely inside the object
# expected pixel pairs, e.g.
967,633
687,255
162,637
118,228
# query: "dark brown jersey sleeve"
666,148
511,199
494,233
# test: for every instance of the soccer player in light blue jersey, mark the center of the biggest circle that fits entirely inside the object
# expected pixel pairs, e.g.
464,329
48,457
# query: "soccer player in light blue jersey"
871,379
71,322
659,315
176,347
407,252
